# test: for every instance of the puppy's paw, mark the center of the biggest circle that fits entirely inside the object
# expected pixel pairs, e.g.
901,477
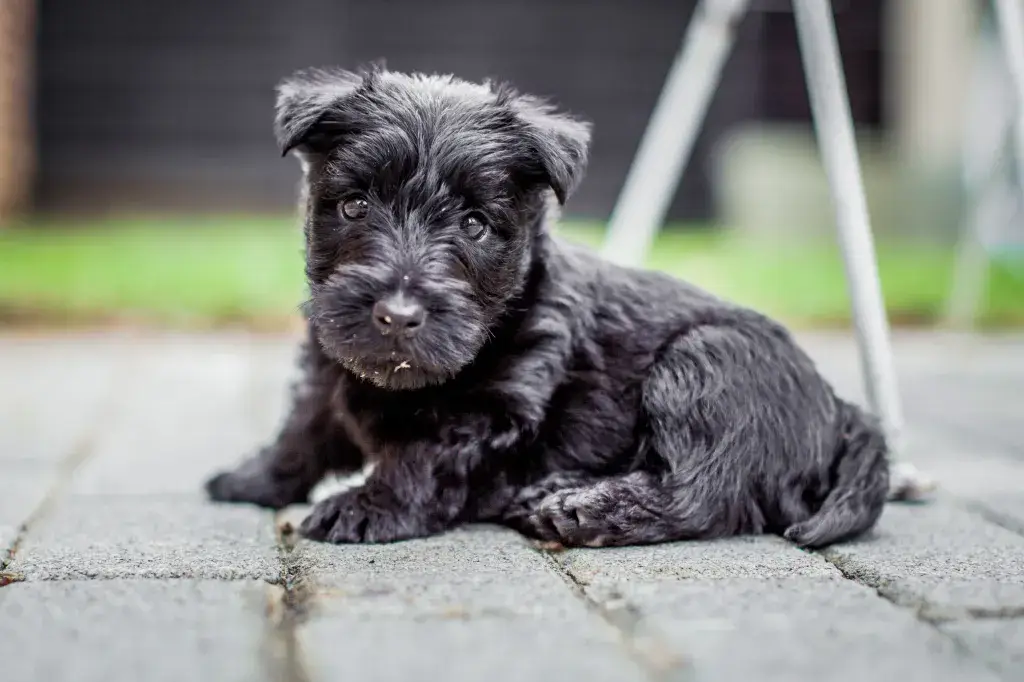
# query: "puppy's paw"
352,516
250,484
798,533
571,517
814,533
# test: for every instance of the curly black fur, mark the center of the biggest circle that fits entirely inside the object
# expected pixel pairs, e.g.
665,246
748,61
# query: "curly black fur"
539,386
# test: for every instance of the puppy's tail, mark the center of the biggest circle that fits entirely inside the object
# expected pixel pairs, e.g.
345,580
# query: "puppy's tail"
860,484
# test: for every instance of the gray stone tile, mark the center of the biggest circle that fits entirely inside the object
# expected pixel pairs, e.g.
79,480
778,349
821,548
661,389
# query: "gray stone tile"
476,571
149,537
1006,508
789,629
963,466
471,649
126,631
958,598
23,487
998,641
156,414
758,608
963,386
497,595
471,604
186,413
471,550
939,554
742,557
53,395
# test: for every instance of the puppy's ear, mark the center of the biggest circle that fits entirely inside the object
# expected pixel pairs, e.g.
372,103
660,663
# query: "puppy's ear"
559,142
307,106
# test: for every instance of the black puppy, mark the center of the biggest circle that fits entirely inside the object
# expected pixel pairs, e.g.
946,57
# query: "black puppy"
490,372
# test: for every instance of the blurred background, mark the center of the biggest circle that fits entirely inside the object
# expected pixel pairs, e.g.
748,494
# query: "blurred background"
140,183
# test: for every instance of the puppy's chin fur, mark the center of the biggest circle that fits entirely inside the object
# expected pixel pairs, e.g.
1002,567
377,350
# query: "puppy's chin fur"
398,374
400,366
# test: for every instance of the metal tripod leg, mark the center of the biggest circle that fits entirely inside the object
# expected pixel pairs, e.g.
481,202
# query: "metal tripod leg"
992,199
1010,21
668,143
833,123
672,131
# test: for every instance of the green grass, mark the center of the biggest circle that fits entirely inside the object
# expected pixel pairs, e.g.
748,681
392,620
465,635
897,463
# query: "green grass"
208,271
178,272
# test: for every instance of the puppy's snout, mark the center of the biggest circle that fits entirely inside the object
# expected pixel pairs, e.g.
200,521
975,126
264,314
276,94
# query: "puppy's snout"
398,314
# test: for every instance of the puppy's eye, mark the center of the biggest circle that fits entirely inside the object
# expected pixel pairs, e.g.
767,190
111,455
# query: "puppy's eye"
475,226
355,208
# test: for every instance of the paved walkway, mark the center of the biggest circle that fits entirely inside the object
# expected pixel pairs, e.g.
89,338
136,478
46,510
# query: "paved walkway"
121,570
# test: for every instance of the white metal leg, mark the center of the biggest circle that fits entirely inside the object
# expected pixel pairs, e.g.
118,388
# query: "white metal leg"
1010,22
992,199
672,131
666,148
826,86
995,207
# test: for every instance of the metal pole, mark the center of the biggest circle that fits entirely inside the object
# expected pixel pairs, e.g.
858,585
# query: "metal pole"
991,195
1010,20
833,122
672,131
994,207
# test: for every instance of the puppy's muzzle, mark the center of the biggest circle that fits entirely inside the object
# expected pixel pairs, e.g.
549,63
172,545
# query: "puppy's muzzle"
399,314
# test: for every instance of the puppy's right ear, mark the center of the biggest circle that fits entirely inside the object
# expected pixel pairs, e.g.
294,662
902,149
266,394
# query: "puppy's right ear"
558,141
309,107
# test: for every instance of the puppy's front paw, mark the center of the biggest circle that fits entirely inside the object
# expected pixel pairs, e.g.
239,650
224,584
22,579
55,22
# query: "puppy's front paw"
250,483
352,516
235,486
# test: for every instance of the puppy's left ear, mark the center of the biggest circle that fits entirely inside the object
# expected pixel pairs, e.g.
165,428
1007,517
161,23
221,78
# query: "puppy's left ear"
559,142
305,104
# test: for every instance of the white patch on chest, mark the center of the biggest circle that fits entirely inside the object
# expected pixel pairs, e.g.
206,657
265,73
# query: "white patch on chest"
332,484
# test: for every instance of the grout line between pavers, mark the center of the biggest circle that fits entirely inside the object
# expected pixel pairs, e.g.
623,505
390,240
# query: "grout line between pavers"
925,610
80,452
288,603
81,449
647,650
920,611
1004,521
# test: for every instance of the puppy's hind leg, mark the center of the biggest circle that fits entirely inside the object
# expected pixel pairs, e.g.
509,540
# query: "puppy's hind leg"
730,413
634,508
744,425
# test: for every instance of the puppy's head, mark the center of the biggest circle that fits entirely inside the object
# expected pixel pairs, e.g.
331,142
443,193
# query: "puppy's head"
424,197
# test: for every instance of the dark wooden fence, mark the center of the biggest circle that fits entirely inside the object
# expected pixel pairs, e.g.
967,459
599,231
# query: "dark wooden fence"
147,105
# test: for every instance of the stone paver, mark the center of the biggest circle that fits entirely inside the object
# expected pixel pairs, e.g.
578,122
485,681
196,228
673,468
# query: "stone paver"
481,649
23,487
130,574
1000,642
181,418
1007,509
940,557
52,393
99,631
792,629
744,557
153,536
48,410
476,604
752,608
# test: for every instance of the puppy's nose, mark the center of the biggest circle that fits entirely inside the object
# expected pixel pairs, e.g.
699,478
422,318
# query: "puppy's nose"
398,314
